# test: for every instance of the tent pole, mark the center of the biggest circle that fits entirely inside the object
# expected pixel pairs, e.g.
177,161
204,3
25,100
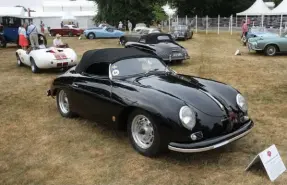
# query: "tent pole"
206,24
231,21
169,23
262,20
281,24
218,24
196,24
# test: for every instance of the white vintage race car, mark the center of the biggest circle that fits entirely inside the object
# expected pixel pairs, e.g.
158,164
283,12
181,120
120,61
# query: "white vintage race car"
47,58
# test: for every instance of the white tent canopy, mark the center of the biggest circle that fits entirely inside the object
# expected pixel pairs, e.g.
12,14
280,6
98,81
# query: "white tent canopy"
281,9
12,11
258,8
68,17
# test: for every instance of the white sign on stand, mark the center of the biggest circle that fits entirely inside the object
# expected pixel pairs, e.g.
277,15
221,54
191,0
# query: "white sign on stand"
271,161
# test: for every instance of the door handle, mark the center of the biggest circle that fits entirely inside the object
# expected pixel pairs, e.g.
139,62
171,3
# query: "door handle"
75,85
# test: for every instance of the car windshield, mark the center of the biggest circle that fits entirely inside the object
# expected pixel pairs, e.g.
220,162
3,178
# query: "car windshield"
140,25
178,28
284,34
254,30
163,38
73,26
136,66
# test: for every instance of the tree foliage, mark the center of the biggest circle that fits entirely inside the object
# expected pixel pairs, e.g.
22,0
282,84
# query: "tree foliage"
113,11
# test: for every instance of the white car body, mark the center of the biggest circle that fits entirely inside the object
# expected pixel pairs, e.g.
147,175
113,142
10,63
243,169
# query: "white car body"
47,58
139,27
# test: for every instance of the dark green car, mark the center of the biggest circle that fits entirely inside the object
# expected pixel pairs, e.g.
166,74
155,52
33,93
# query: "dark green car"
269,45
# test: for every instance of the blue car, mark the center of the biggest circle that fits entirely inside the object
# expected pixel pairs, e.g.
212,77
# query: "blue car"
105,32
257,32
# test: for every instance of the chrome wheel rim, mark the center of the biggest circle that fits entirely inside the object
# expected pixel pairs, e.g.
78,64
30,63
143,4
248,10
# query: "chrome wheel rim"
63,102
91,36
271,50
19,61
142,131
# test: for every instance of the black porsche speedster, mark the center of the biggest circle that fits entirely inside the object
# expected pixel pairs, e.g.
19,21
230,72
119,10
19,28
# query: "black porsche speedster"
160,108
161,44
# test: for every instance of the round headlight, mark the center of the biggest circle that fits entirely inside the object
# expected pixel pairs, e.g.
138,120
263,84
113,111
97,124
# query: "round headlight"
187,117
241,102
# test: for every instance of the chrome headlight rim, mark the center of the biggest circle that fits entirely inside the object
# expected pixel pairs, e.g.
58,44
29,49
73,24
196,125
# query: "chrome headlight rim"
187,117
241,102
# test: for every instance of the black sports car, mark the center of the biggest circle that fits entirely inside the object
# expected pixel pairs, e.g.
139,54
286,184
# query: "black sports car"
182,32
135,36
160,108
161,44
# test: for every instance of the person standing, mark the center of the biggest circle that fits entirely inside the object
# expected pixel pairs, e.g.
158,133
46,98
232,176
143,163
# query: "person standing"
23,42
244,28
32,32
120,25
130,26
62,24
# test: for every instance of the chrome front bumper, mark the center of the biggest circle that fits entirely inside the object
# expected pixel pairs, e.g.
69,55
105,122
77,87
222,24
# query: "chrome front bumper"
212,143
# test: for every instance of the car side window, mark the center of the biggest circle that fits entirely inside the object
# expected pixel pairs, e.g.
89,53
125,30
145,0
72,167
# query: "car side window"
142,40
98,69
66,27
110,29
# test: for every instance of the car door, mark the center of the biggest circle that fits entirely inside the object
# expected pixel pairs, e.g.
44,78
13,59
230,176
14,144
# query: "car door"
110,32
91,95
282,42
65,30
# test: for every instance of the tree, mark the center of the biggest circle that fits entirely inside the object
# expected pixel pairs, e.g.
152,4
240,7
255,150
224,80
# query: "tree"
277,2
113,11
158,13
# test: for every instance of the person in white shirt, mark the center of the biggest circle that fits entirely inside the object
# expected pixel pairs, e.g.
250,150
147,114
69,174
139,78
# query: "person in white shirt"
32,32
57,42
120,25
130,26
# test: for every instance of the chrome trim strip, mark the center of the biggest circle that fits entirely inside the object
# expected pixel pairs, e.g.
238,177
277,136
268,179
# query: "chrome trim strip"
110,73
216,101
183,150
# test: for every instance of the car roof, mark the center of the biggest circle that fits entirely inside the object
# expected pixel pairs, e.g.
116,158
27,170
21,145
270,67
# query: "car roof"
109,55
152,37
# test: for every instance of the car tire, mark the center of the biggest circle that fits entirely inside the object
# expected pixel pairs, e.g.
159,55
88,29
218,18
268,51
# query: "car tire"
34,67
191,35
44,39
122,41
19,62
70,34
3,43
271,50
91,36
63,104
153,144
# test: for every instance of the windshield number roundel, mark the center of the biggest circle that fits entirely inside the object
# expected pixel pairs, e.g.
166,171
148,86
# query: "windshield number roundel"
115,72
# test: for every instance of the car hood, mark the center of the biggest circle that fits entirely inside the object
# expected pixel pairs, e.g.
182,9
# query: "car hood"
188,90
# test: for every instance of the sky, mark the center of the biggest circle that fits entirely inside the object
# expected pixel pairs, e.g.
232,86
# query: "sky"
25,3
